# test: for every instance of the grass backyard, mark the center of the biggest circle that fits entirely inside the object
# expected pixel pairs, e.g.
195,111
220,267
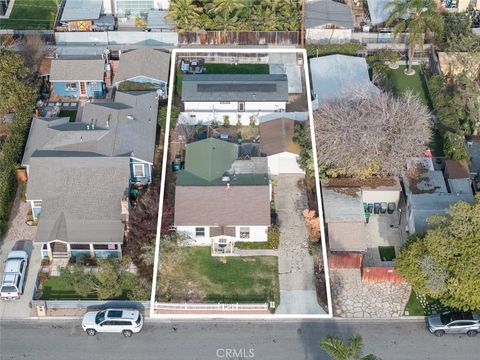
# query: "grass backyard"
414,306
55,288
418,85
31,14
230,279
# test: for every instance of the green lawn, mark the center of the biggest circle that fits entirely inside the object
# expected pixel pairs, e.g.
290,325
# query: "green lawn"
387,253
68,113
414,307
418,84
230,279
214,68
56,289
31,14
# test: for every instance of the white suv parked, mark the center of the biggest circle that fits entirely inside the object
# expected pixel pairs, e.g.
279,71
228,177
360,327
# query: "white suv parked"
14,275
125,321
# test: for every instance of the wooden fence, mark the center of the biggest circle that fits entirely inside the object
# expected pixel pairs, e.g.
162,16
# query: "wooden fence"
283,38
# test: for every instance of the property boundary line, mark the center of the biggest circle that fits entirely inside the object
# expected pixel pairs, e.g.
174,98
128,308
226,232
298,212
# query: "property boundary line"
329,314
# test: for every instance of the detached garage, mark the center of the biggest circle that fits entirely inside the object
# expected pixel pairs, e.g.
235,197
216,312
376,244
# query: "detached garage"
276,142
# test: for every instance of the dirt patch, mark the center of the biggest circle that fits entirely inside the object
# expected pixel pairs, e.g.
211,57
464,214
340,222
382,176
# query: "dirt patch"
416,176
374,182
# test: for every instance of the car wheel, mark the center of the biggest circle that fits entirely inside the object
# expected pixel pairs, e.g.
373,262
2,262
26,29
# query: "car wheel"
471,333
439,333
127,333
91,332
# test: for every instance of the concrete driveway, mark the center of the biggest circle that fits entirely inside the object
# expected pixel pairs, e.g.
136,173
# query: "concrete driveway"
295,265
18,230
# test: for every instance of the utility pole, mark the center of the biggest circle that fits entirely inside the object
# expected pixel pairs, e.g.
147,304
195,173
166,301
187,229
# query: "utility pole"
302,26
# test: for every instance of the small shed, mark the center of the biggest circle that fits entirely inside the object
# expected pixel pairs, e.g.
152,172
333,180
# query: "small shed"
276,142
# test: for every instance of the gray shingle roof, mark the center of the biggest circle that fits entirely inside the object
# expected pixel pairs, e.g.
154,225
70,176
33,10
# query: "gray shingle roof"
71,70
327,12
80,196
222,206
154,64
423,206
378,13
156,20
115,132
81,10
245,87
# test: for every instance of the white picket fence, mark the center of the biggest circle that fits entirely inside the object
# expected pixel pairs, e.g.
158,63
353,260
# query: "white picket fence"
210,307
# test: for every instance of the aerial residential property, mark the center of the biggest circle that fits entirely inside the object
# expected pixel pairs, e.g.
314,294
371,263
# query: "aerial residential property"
288,179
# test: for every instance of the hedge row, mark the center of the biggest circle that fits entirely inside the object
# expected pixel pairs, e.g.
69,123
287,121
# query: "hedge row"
332,49
272,242
11,155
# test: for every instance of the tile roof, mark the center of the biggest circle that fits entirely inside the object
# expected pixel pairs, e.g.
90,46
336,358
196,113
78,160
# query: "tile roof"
154,64
222,205
381,274
345,261
75,70
276,136
236,87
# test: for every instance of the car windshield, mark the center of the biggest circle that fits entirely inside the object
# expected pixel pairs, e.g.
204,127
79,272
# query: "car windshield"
139,319
9,289
100,317
446,318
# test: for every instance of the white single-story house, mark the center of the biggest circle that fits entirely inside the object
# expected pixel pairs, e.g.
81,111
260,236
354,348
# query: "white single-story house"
238,98
276,142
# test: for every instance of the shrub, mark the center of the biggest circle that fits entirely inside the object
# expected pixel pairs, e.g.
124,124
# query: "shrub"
455,147
226,120
272,243
331,49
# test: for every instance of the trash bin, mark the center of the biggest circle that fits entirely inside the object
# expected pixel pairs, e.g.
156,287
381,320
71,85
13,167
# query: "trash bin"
370,208
376,208
383,208
391,207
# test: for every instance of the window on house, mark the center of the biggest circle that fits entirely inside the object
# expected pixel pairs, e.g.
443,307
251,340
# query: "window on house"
241,106
71,86
224,102
244,233
199,231
138,170
94,85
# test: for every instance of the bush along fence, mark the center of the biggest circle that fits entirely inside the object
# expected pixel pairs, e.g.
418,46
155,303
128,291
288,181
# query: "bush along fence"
18,93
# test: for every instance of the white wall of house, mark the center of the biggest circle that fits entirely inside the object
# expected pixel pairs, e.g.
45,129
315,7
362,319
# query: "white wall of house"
379,196
210,111
284,163
257,234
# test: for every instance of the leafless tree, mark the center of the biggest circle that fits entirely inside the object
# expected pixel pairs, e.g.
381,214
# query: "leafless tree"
33,50
371,135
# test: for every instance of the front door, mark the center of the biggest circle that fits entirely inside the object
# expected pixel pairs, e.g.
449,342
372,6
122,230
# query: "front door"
83,88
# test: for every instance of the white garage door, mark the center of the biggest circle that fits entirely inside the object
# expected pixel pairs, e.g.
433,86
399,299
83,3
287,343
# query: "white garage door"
288,165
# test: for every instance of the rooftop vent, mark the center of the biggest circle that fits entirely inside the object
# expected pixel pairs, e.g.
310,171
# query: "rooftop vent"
130,117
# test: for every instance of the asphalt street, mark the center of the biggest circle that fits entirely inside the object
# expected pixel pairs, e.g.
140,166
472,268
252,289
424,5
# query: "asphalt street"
165,340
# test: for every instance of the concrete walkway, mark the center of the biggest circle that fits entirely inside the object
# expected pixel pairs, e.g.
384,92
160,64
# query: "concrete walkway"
18,230
295,264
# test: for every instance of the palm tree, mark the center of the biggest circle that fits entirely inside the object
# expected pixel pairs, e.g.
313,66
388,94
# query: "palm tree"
225,9
417,18
350,350
185,14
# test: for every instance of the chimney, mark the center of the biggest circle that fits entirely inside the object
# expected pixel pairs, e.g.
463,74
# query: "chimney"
81,138
228,185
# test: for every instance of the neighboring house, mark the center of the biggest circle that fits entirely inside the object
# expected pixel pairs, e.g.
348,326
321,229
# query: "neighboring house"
219,198
240,98
129,8
378,11
78,78
276,142
427,192
156,21
83,198
3,6
327,21
337,77
144,65
79,15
